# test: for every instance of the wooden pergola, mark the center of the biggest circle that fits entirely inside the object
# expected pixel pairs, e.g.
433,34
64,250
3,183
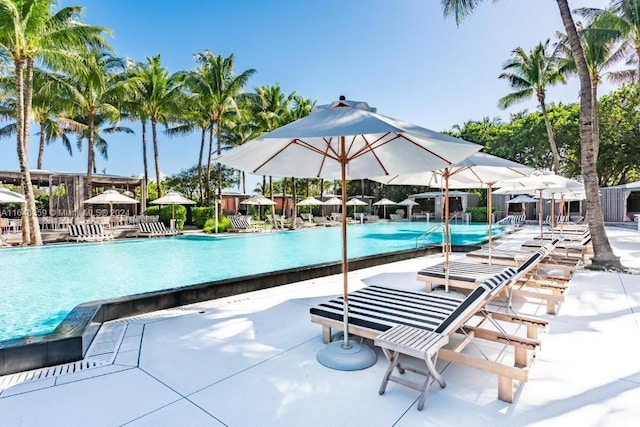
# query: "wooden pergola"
74,183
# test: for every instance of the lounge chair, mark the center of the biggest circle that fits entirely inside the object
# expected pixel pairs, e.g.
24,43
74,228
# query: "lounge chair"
240,224
375,310
155,229
515,258
88,233
321,220
464,275
566,248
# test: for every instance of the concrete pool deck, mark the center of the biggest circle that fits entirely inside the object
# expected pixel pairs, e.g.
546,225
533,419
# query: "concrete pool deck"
250,360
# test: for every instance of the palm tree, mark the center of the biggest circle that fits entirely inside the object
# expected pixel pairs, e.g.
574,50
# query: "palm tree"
31,30
601,50
219,89
622,16
49,103
603,253
101,125
92,95
530,74
159,95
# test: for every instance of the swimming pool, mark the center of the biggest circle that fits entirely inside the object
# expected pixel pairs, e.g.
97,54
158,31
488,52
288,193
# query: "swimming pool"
40,286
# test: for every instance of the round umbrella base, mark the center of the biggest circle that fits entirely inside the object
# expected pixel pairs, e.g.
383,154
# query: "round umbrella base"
354,357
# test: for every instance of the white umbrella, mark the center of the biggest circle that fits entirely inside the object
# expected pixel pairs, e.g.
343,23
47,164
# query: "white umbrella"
110,197
384,202
309,201
173,198
479,170
258,200
8,196
347,140
409,204
541,183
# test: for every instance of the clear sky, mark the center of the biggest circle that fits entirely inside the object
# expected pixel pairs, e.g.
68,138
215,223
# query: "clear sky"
402,57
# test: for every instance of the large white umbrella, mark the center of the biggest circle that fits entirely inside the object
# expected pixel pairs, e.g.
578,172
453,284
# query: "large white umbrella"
110,197
173,198
479,170
347,140
310,201
8,196
541,183
384,202
258,200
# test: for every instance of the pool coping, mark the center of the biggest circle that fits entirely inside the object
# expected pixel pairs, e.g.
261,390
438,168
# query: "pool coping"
70,341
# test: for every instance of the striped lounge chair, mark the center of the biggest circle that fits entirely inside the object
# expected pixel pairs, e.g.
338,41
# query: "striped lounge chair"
88,233
154,229
374,310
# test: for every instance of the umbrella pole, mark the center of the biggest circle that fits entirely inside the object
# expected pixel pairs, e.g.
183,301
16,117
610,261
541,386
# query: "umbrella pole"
490,217
541,213
446,229
345,259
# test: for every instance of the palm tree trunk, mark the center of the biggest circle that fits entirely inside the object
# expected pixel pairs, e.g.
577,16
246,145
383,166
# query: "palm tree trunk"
552,139
208,183
219,151
90,154
144,152
40,147
244,183
34,229
200,183
156,157
603,256
596,120
21,148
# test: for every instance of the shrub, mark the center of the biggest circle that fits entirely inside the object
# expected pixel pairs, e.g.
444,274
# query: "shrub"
201,215
479,214
166,212
210,225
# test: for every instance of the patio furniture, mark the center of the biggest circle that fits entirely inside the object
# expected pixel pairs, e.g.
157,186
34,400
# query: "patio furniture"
155,229
374,310
88,233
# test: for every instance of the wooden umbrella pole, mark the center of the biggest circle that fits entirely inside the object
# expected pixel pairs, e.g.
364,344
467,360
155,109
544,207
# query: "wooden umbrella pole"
345,260
446,229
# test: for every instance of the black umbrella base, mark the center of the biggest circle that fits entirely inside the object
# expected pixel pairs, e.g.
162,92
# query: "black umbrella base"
354,357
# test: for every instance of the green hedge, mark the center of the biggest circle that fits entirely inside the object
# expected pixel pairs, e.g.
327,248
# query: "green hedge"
479,214
210,225
201,215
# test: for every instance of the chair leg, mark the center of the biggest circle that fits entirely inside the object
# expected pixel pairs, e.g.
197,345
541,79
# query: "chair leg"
392,364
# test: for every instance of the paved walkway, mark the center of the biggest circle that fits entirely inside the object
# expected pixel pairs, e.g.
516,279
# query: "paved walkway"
250,360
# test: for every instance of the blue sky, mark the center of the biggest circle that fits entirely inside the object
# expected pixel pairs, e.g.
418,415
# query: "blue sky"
402,57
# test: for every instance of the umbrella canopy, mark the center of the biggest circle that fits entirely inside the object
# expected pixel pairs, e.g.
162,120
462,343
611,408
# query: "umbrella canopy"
384,203
479,170
8,196
110,197
258,200
310,201
173,198
322,145
541,183
334,201
522,199
408,202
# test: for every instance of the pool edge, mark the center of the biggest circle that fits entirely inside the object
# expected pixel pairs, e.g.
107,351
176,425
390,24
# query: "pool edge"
72,338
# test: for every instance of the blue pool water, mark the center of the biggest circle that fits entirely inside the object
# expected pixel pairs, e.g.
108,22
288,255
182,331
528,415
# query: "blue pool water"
40,286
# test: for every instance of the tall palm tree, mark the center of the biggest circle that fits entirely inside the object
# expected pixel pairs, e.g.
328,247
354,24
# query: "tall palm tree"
31,30
101,125
49,103
530,74
160,96
219,88
603,253
92,95
601,50
622,16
